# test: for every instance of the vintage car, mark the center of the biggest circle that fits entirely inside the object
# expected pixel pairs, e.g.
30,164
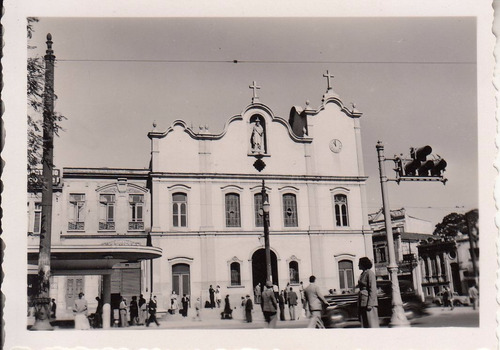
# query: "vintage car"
458,300
343,309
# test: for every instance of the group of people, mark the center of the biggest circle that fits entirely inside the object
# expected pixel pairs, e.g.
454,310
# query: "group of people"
215,296
286,297
182,307
141,312
134,314
313,301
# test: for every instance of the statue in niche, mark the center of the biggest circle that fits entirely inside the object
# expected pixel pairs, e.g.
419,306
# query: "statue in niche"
257,138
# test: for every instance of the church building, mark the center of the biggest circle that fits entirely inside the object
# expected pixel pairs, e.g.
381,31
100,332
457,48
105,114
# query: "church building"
206,198
194,219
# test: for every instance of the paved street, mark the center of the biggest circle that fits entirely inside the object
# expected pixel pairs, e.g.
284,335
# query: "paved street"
459,317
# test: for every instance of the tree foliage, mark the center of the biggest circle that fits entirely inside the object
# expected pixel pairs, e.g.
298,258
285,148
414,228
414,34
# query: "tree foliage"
455,223
35,92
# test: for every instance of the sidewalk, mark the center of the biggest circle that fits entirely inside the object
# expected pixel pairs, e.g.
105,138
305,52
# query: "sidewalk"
459,310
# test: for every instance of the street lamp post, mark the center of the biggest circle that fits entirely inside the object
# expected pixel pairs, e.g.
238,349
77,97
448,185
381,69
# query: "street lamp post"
42,299
265,217
398,318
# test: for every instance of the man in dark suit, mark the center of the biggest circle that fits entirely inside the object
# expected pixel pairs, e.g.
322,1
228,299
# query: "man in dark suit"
269,305
152,312
292,303
248,309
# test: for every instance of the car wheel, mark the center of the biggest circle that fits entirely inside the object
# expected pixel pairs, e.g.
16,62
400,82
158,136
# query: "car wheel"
338,319
437,302
457,303
411,310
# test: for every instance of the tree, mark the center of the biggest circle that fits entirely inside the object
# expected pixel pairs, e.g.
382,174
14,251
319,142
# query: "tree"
35,91
455,223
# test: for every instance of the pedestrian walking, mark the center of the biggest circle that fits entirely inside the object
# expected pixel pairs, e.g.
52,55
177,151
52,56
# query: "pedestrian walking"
474,296
447,298
257,292
303,299
211,292
80,309
248,309
53,308
269,305
218,296
281,303
174,304
367,297
242,308
143,310
292,303
227,314
134,311
185,304
123,312
315,300
98,312
152,312
197,308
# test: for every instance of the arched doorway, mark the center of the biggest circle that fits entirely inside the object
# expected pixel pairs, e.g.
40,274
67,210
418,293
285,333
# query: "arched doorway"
259,267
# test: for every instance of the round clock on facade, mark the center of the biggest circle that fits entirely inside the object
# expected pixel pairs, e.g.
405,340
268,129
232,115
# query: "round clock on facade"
335,146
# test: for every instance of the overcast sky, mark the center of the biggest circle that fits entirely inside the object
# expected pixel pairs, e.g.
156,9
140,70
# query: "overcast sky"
414,79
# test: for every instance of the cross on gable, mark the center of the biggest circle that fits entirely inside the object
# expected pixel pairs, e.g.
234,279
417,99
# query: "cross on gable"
327,75
255,88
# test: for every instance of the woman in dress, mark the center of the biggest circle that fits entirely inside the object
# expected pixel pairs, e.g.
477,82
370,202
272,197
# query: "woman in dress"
143,310
80,309
134,311
174,304
228,312
367,298
123,312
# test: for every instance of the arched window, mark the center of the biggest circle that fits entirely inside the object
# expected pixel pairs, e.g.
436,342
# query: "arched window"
346,275
293,269
341,215
233,210
259,218
235,274
179,210
290,210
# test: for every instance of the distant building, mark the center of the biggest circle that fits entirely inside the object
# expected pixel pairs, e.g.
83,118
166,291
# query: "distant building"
408,231
446,261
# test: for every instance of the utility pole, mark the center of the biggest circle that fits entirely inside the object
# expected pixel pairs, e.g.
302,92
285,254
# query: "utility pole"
42,300
398,318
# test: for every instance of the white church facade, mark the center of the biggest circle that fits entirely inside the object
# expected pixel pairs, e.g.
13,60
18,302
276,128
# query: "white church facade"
194,218
206,196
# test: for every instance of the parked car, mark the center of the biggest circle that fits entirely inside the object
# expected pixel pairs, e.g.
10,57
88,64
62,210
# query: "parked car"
344,308
458,300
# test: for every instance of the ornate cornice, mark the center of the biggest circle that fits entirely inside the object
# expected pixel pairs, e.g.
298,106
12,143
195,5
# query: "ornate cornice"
256,107
259,177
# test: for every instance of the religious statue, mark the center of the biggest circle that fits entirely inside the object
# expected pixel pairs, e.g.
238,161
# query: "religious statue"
258,138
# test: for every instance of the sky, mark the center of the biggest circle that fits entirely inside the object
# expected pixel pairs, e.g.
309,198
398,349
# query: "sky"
414,80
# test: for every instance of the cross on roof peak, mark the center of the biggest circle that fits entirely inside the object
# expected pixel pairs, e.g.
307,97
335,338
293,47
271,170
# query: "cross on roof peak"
327,75
255,88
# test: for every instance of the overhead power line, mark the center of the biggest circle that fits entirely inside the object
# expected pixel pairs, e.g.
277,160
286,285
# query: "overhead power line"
263,61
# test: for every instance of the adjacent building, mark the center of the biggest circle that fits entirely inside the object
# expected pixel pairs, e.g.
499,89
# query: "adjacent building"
408,231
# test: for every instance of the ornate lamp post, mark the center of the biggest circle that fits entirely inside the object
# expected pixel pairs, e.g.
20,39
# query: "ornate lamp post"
265,217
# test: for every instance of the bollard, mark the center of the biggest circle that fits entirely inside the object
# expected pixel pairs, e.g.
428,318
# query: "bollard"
106,316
